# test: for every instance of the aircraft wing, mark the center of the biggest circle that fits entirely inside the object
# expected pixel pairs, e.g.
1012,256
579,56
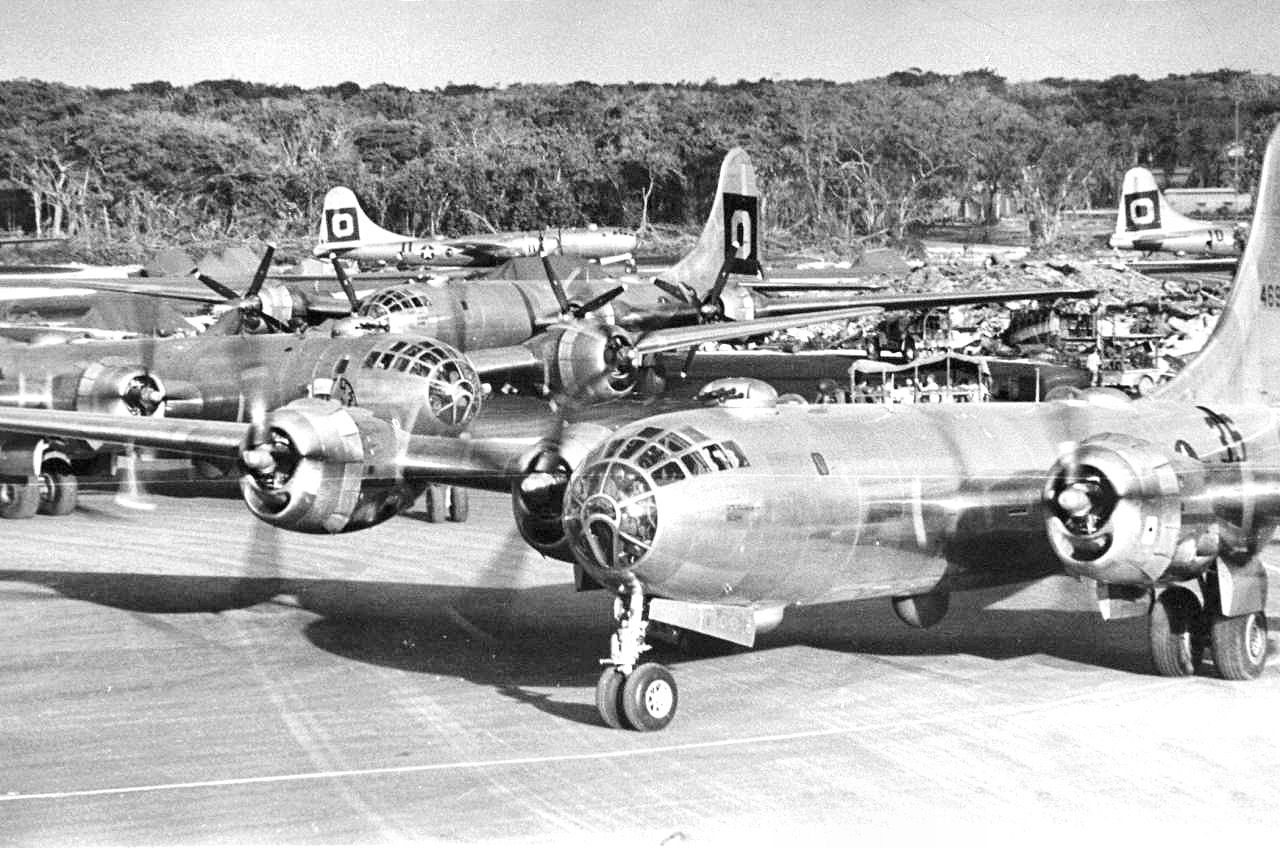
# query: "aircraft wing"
169,290
495,249
918,300
186,436
489,463
674,338
46,332
500,360
493,464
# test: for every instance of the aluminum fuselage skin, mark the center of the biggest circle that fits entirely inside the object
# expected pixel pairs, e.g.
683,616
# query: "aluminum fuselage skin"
213,366
593,243
481,314
1210,241
915,499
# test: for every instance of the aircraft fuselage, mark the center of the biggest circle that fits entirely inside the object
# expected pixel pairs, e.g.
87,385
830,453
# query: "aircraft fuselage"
498,313
841,502
410,380
1211,241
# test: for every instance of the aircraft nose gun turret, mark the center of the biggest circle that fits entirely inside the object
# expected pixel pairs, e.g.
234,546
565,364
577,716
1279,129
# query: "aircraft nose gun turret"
1120,510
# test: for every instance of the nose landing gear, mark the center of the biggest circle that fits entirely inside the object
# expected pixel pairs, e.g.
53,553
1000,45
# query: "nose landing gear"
631,694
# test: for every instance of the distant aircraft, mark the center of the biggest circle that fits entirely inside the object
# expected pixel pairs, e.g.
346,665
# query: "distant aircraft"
422,384
346,231
714,521
1145,221
720,278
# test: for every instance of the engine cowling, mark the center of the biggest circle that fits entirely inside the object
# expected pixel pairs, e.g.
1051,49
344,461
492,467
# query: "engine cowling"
538,499
589,362
121,389
110,386
1120,510
321,467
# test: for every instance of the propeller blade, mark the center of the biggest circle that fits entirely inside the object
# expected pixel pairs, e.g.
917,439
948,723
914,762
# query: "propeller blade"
260,276
130,494
561,298
710,305
675,291
274,322
218,287
597,302
345,282
688,362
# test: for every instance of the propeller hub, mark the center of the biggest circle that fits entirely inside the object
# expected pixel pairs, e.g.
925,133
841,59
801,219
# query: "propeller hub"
1077,499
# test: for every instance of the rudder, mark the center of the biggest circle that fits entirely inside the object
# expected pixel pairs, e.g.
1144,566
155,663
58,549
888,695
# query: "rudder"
1144,212
732,231
344,224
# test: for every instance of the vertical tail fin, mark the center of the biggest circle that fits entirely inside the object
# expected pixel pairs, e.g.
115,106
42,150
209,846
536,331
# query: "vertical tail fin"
1240,363
732,232
1144,213
344,225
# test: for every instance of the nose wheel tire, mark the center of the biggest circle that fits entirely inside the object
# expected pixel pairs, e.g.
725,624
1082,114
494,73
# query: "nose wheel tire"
609,697
1177,633
19,497
1239,645
649,697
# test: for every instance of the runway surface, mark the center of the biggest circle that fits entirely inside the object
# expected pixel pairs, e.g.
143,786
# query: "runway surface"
188,676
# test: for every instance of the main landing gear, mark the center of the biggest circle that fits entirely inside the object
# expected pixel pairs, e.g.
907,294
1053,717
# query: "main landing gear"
446,503
53,491
631,694
1181,630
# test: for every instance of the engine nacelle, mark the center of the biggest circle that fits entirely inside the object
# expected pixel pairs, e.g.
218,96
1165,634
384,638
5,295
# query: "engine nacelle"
588,362
538,499
111,386
325,468
1120,510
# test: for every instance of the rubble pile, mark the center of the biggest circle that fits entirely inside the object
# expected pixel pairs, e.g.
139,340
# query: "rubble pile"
1125,297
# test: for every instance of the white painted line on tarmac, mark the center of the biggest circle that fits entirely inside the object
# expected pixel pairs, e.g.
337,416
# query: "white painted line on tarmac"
966,718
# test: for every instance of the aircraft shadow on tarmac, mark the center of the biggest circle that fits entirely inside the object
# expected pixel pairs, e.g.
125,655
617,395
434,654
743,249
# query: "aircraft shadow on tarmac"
514,640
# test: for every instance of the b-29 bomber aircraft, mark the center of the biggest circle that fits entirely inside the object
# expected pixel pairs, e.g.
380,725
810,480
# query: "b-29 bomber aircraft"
721,278
1146,221
415,383
715,520
346,231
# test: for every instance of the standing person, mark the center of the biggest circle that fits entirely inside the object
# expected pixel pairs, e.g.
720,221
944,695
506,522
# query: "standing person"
1093,362
931,390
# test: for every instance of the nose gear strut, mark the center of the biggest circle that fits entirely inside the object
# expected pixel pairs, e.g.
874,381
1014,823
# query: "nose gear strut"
631,694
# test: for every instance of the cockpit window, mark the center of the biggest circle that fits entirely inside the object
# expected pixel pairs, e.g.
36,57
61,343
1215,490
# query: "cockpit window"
674,442
696,464
631,448
677,454
652,456
398,299
453,387
668,473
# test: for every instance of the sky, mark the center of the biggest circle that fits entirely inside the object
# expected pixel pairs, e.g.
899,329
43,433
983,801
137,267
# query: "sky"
423,44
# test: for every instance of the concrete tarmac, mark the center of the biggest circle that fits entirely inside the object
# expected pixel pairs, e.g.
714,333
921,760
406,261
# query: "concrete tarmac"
188,676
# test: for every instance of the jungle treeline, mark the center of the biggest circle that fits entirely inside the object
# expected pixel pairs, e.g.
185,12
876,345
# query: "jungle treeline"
121,171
